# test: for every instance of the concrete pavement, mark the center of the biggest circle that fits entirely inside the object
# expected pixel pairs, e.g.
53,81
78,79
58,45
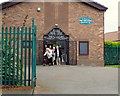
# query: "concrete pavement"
74,80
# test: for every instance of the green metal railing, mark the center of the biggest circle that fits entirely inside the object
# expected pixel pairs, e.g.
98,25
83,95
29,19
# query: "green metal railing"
19,55
111,55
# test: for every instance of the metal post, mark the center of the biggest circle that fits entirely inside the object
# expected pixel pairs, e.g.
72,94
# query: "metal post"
33,54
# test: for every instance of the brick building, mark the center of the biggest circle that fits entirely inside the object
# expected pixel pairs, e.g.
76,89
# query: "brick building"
78,27
111,36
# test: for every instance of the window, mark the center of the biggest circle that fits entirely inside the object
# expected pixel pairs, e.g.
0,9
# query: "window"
83,48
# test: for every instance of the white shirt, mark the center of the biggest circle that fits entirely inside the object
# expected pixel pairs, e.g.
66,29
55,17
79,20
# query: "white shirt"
57,53
48,53
50,50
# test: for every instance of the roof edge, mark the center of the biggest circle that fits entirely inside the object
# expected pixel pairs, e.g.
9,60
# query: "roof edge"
95,5
10,3
88,2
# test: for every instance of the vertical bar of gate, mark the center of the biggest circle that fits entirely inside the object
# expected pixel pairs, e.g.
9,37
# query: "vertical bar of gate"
67,54
29,55
33,52
10,47
6,57
13,72
2,50
18,31
21,63
25,54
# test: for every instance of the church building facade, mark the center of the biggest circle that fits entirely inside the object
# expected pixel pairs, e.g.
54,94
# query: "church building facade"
77,27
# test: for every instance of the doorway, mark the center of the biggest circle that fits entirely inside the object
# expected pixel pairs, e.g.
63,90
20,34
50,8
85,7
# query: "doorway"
57,37
63,45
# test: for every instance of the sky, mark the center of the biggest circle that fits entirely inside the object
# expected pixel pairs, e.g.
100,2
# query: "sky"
111,15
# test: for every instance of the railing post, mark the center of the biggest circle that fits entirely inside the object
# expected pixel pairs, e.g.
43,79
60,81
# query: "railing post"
2,55
35,57
33,54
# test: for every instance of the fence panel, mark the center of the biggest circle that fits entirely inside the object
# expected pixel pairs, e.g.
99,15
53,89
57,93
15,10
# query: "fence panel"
111,55
19,56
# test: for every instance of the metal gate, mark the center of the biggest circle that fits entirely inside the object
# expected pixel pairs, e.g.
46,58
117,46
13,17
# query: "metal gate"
73,52
19,56
39,52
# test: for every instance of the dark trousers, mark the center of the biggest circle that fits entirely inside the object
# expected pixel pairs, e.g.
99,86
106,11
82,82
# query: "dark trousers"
50,61
45,60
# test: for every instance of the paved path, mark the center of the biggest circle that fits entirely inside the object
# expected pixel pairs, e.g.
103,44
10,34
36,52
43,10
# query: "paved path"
74,80
77,80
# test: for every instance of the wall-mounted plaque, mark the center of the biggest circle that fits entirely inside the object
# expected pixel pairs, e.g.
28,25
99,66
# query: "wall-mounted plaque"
85,21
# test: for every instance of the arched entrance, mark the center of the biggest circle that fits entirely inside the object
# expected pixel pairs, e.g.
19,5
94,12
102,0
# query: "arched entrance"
57,37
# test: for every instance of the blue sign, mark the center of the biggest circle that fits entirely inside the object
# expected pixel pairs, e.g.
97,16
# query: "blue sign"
85,21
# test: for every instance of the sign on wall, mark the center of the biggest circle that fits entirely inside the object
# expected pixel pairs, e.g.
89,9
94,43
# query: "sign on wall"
85,21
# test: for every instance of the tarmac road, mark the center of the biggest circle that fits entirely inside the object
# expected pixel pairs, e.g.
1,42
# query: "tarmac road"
77,80
64,79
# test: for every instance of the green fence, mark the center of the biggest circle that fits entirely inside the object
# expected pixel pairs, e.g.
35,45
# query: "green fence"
19,56
111,54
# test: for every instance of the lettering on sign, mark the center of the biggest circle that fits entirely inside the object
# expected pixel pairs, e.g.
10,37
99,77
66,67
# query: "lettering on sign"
85,21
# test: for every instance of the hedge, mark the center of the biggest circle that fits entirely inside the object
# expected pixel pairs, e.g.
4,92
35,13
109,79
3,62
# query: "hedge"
112,43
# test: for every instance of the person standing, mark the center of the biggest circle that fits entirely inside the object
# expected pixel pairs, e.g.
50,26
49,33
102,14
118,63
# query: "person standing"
58,55
46,55
50,55
53,56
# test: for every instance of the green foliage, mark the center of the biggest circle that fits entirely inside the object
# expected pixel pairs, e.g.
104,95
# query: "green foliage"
115,66
10,63
112,43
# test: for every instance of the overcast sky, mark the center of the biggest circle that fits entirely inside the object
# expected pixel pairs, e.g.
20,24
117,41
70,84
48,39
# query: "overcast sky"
111,15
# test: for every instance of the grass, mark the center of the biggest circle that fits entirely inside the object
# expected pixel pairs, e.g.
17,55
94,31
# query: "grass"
112,65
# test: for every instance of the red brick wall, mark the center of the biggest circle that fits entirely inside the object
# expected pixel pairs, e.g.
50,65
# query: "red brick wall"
92,33
66,15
